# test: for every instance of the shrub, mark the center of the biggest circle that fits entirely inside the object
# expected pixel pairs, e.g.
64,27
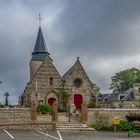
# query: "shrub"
44,108
91,105
1,105
61,110
102,127
124,124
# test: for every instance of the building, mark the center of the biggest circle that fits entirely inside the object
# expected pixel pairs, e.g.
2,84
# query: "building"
46,83
128,99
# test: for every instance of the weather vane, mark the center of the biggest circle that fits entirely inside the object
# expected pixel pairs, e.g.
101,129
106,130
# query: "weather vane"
39,19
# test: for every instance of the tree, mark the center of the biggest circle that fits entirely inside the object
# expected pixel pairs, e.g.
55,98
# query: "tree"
1,105
124,80
64,98
95,88
6,98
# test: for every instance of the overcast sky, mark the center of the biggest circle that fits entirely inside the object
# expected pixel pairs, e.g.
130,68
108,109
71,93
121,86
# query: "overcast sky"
105,34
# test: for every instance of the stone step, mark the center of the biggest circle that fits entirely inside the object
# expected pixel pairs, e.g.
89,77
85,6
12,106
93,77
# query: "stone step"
75,129
68,124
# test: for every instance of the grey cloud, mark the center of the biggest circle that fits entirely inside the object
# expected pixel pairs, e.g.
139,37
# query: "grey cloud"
99,31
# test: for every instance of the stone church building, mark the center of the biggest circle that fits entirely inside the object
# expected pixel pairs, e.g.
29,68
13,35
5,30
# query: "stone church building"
46,83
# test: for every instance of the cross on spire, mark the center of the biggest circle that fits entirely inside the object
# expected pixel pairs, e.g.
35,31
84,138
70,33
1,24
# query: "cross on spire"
39,19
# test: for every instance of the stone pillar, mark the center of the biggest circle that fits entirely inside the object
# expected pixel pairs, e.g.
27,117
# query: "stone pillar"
84,113
54,115
33,112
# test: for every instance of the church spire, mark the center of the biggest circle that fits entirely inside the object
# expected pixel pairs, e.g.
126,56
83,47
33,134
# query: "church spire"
40,50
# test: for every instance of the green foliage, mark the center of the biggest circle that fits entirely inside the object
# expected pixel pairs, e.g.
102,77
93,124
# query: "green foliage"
124,124
1,105
61,110
124,80
44,108
96,88
102,127
91,104
64,98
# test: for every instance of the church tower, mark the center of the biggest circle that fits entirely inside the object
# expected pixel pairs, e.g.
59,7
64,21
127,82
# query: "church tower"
40,53
45,80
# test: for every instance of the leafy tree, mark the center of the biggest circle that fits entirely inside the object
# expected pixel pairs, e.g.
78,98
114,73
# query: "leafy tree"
96,88
125,79
64,98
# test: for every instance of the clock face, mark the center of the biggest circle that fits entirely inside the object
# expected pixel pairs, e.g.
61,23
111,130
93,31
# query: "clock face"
77,82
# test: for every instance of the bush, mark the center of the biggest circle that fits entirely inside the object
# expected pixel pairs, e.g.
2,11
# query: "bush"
1,105
91,105
44,108
123,126
61,110
102,127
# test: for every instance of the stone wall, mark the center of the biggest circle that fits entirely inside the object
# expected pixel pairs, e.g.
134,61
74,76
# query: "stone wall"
126,104
28,126
105,116
20,118
14,115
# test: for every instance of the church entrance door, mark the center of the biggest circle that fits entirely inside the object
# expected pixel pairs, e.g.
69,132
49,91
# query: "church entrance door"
51,97
78,100
51,100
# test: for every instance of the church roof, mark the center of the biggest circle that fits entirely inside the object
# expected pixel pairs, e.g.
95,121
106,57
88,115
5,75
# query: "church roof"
40,50
72,69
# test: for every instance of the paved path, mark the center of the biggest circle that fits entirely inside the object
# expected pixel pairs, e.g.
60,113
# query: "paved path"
39,135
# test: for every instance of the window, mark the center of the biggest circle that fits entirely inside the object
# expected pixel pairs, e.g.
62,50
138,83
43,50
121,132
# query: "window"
51,81
77,82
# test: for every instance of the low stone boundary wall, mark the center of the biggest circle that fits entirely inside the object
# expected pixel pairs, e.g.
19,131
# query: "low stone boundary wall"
105,116
14,115
27,126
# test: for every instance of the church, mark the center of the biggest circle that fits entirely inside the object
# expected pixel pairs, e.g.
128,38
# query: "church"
46,84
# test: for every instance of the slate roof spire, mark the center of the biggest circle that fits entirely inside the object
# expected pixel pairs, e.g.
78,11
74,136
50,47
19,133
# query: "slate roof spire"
40,50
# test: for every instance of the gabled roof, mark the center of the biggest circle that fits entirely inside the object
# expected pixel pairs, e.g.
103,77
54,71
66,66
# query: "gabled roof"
71,70
40,50
128,94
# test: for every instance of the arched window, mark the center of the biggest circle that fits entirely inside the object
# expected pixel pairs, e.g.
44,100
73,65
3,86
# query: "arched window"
51,81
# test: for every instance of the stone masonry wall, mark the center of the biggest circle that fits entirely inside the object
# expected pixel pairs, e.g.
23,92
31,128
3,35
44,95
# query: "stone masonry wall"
105,116
14,115
20,118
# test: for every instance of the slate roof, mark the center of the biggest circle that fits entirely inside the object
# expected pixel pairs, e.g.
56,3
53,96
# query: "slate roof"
40,50
128,95
111,97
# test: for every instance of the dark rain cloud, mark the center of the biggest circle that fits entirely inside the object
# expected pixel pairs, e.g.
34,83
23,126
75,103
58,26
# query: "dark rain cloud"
104,33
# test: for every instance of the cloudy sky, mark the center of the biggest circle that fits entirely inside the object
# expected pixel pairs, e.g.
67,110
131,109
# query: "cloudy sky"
105,34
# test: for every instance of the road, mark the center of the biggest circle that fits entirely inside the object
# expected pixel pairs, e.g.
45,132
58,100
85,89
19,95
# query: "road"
40,135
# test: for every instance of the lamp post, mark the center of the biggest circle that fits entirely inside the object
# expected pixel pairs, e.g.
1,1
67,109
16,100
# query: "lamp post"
69,113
